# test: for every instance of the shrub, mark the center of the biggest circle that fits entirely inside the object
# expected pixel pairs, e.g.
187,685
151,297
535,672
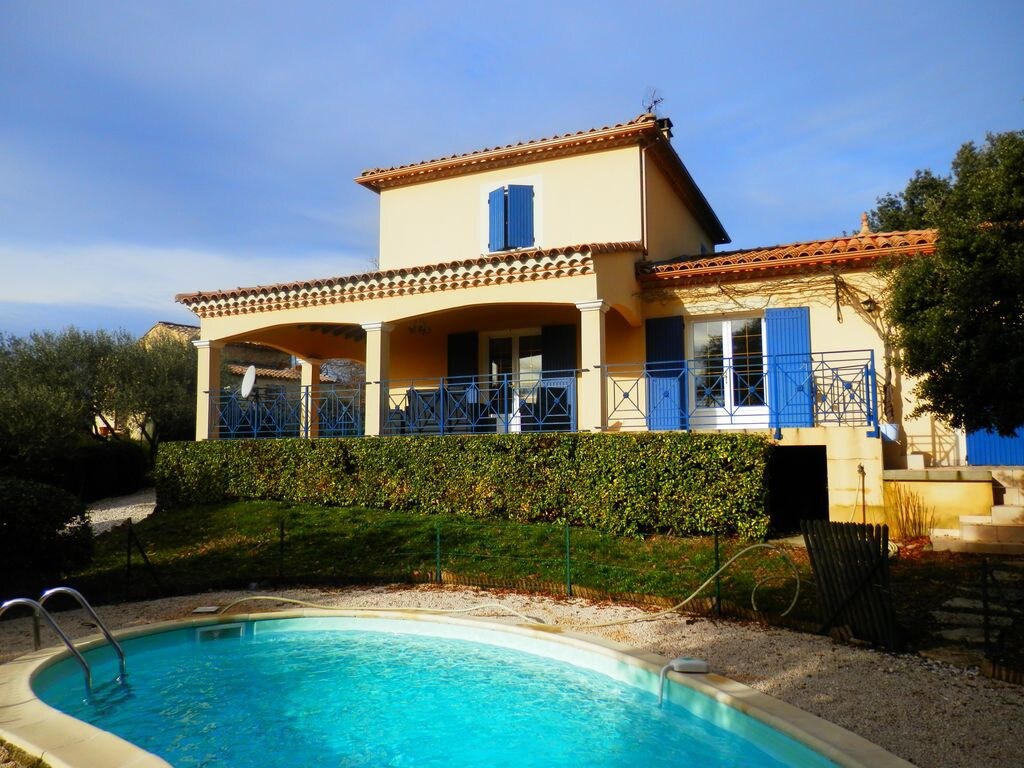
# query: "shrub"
634,483
90,468
44,531
96,469
906,513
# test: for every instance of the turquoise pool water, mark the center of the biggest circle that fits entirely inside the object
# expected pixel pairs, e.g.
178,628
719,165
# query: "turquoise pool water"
322,692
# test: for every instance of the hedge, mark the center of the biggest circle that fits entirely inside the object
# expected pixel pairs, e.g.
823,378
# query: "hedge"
624,483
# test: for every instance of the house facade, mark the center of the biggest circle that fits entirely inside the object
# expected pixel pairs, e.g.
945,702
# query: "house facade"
573,283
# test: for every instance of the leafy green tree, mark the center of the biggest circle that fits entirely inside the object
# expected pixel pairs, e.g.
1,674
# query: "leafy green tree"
150,387
958,317
913,208
51,385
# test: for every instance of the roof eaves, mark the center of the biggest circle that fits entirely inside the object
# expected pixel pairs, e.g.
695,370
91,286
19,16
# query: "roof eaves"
858,251
604,137
667,157
408,275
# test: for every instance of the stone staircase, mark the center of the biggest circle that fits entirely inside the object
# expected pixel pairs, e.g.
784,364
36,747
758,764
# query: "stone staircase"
961,619
999,533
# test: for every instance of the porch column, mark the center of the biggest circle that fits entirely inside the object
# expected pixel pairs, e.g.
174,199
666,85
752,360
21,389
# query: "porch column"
207,384
309,423
591,399
378,370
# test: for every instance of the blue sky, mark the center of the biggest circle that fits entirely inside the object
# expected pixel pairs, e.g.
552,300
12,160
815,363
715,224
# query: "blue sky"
151,148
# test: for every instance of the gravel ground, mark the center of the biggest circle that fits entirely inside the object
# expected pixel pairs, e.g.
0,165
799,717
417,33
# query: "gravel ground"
106,513
929,713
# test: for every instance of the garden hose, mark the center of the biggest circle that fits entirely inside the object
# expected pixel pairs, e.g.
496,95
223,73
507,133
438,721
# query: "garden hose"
538,622
711,578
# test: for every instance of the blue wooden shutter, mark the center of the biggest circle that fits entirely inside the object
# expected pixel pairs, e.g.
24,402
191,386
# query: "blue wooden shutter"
462,354
992,449
556,402
790,374
558,351
497,218
520,216
666,381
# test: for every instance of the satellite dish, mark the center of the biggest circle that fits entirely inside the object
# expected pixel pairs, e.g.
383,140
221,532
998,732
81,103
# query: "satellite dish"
248,380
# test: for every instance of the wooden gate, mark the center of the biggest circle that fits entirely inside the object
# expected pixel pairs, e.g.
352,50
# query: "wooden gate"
851,568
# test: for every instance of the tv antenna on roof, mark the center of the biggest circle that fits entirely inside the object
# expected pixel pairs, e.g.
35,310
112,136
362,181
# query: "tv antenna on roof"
652,100
248,381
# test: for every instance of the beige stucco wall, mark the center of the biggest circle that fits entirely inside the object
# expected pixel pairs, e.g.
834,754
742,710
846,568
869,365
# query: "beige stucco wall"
671,228
948,493
858,330
532,304
847,449
588,198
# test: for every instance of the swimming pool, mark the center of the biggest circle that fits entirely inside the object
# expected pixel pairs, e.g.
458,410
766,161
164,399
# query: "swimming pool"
317,689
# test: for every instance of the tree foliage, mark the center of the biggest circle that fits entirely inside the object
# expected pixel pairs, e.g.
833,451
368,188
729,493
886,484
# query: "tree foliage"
150,386
915,207
958,317
51,385
56,386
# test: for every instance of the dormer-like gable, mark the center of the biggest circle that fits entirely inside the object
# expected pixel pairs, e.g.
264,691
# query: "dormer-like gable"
620,183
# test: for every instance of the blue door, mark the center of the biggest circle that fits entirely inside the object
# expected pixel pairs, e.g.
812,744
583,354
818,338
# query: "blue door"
666,373
992,449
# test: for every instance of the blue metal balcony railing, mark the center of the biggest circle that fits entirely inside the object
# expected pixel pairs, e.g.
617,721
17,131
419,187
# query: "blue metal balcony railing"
538,402
280,413
753,392
750,392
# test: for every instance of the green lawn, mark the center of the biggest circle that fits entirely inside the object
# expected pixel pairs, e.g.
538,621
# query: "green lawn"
236,544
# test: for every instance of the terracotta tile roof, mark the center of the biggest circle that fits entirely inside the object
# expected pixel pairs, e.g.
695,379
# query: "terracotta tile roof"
604,137
645,130
177,330
492,269
288,374
857,252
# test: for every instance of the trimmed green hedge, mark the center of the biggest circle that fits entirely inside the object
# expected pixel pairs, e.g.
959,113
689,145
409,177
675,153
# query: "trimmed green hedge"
645,482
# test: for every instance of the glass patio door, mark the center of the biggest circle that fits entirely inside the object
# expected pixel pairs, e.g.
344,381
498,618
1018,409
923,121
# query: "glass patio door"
728,373
513,370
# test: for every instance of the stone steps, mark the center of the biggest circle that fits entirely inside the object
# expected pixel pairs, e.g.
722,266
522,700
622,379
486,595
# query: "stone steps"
1001,532
961,618
1008,514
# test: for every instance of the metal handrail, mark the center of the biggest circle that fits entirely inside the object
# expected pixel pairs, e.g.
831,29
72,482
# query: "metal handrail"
38,611
80,599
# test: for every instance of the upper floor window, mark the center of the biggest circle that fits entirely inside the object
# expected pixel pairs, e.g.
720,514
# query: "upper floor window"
510,216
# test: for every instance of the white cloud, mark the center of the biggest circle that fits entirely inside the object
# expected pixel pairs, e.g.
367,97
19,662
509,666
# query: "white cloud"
128,276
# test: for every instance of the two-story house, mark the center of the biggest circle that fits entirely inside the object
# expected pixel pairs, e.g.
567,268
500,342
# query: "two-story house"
573,283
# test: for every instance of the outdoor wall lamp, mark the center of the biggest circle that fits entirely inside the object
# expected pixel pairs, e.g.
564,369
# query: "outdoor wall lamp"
869,305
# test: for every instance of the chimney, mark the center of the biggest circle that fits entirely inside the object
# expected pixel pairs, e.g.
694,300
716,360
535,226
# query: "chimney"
665,126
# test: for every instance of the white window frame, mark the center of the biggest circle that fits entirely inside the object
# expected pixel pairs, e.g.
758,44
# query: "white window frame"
514,422
729,416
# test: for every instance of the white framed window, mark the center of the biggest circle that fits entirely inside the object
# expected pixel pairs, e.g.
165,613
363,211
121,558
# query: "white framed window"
728,370
511,363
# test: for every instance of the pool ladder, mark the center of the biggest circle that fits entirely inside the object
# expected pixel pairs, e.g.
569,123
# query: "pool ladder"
39,611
